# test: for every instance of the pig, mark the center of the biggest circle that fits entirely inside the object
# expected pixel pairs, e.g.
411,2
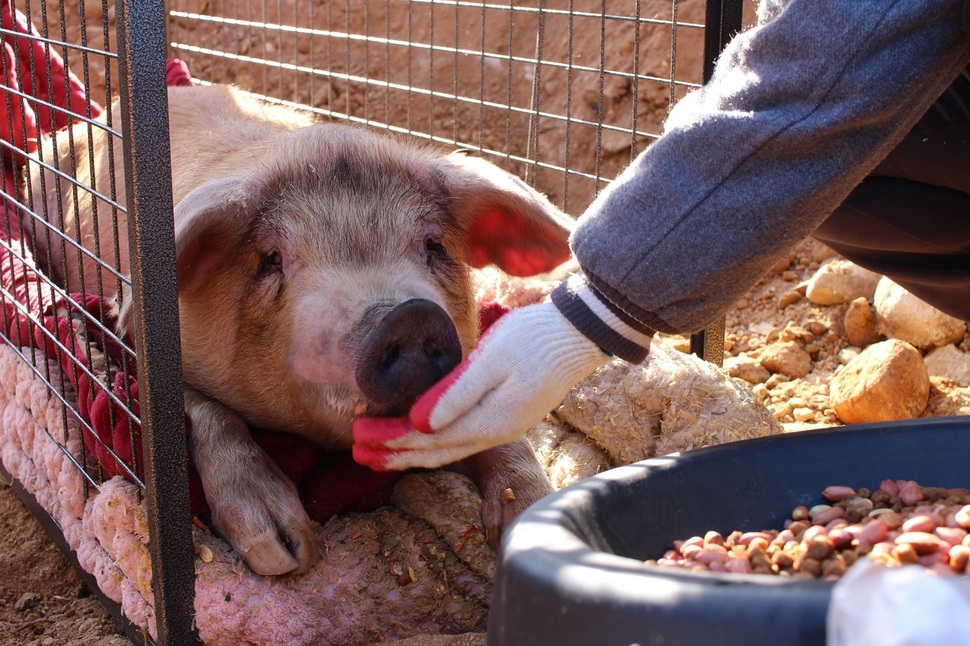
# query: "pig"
323,273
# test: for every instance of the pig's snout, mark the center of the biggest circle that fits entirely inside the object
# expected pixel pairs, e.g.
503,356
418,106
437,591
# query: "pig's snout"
412,346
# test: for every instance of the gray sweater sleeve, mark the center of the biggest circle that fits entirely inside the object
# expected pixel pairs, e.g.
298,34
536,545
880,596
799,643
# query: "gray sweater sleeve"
799,110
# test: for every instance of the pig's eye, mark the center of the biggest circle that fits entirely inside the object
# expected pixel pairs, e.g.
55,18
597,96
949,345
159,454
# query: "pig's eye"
270,263
433,250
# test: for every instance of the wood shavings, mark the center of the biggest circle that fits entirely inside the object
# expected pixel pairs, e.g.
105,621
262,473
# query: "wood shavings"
672,402
206,554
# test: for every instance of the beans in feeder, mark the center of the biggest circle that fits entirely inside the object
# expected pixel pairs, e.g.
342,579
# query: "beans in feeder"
898,523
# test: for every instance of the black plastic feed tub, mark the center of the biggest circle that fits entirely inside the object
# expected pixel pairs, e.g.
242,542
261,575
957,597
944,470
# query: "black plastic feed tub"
570,570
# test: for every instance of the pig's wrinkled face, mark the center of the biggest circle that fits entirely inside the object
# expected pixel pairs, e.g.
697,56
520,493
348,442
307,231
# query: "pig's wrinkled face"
341,288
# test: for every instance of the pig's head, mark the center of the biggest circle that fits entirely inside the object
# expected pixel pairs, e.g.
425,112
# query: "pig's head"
334,280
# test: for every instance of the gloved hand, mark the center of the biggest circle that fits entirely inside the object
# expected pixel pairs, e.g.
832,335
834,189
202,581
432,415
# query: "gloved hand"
522,368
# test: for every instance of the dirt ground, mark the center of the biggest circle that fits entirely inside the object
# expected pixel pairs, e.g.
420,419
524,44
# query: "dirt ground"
42,599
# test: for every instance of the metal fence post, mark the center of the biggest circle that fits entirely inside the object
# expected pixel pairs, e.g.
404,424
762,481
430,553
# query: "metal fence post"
144,106
723,20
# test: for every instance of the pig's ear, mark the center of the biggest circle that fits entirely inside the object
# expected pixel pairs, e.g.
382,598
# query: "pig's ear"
508,223
209,223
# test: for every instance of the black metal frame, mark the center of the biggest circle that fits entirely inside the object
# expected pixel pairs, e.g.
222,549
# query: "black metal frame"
723,20
142,52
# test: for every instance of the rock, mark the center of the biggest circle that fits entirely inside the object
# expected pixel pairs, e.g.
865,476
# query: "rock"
887,381
947,399
747,368
787,358
816,327
840,281
789,298
794,332
848,354
27,601
949,362
860,323
803,414
782,264
900,315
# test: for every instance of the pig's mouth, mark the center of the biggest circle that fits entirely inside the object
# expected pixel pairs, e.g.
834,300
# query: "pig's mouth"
412,345
337,401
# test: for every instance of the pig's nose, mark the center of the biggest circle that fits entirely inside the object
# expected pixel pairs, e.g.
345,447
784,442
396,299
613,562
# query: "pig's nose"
414,345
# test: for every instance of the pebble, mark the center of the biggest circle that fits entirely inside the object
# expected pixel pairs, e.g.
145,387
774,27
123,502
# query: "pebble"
27,601
900,315
949,362
887,381
746,368
803,414
860,323
840,281
789,298
847,354
787,358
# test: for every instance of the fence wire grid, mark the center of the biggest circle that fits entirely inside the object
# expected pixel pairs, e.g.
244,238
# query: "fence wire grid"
563,93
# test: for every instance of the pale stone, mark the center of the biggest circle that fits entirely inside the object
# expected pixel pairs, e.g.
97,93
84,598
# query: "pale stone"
746,368
840,281
949,362
887,381
787,358
848,354
900,315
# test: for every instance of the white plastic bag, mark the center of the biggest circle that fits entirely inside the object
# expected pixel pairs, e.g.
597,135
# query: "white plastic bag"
898,606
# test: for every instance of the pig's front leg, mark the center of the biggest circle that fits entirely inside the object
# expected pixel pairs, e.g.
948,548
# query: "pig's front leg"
254,506
509,479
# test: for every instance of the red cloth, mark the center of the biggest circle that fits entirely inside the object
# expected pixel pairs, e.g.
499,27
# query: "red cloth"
31,69
22,123
177,73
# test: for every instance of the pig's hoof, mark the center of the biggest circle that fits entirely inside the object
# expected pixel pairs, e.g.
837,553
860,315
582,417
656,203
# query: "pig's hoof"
501,506
270,558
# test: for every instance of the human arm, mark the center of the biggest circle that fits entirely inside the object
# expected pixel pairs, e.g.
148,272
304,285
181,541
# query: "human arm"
799,110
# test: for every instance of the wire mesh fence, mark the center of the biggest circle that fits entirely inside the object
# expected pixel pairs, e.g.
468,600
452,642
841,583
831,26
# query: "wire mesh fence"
563,93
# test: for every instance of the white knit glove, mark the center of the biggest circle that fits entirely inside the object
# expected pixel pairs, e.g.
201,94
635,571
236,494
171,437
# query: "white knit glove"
521,369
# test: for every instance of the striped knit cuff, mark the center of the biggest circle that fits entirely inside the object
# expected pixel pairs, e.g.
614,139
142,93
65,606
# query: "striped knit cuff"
577,301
